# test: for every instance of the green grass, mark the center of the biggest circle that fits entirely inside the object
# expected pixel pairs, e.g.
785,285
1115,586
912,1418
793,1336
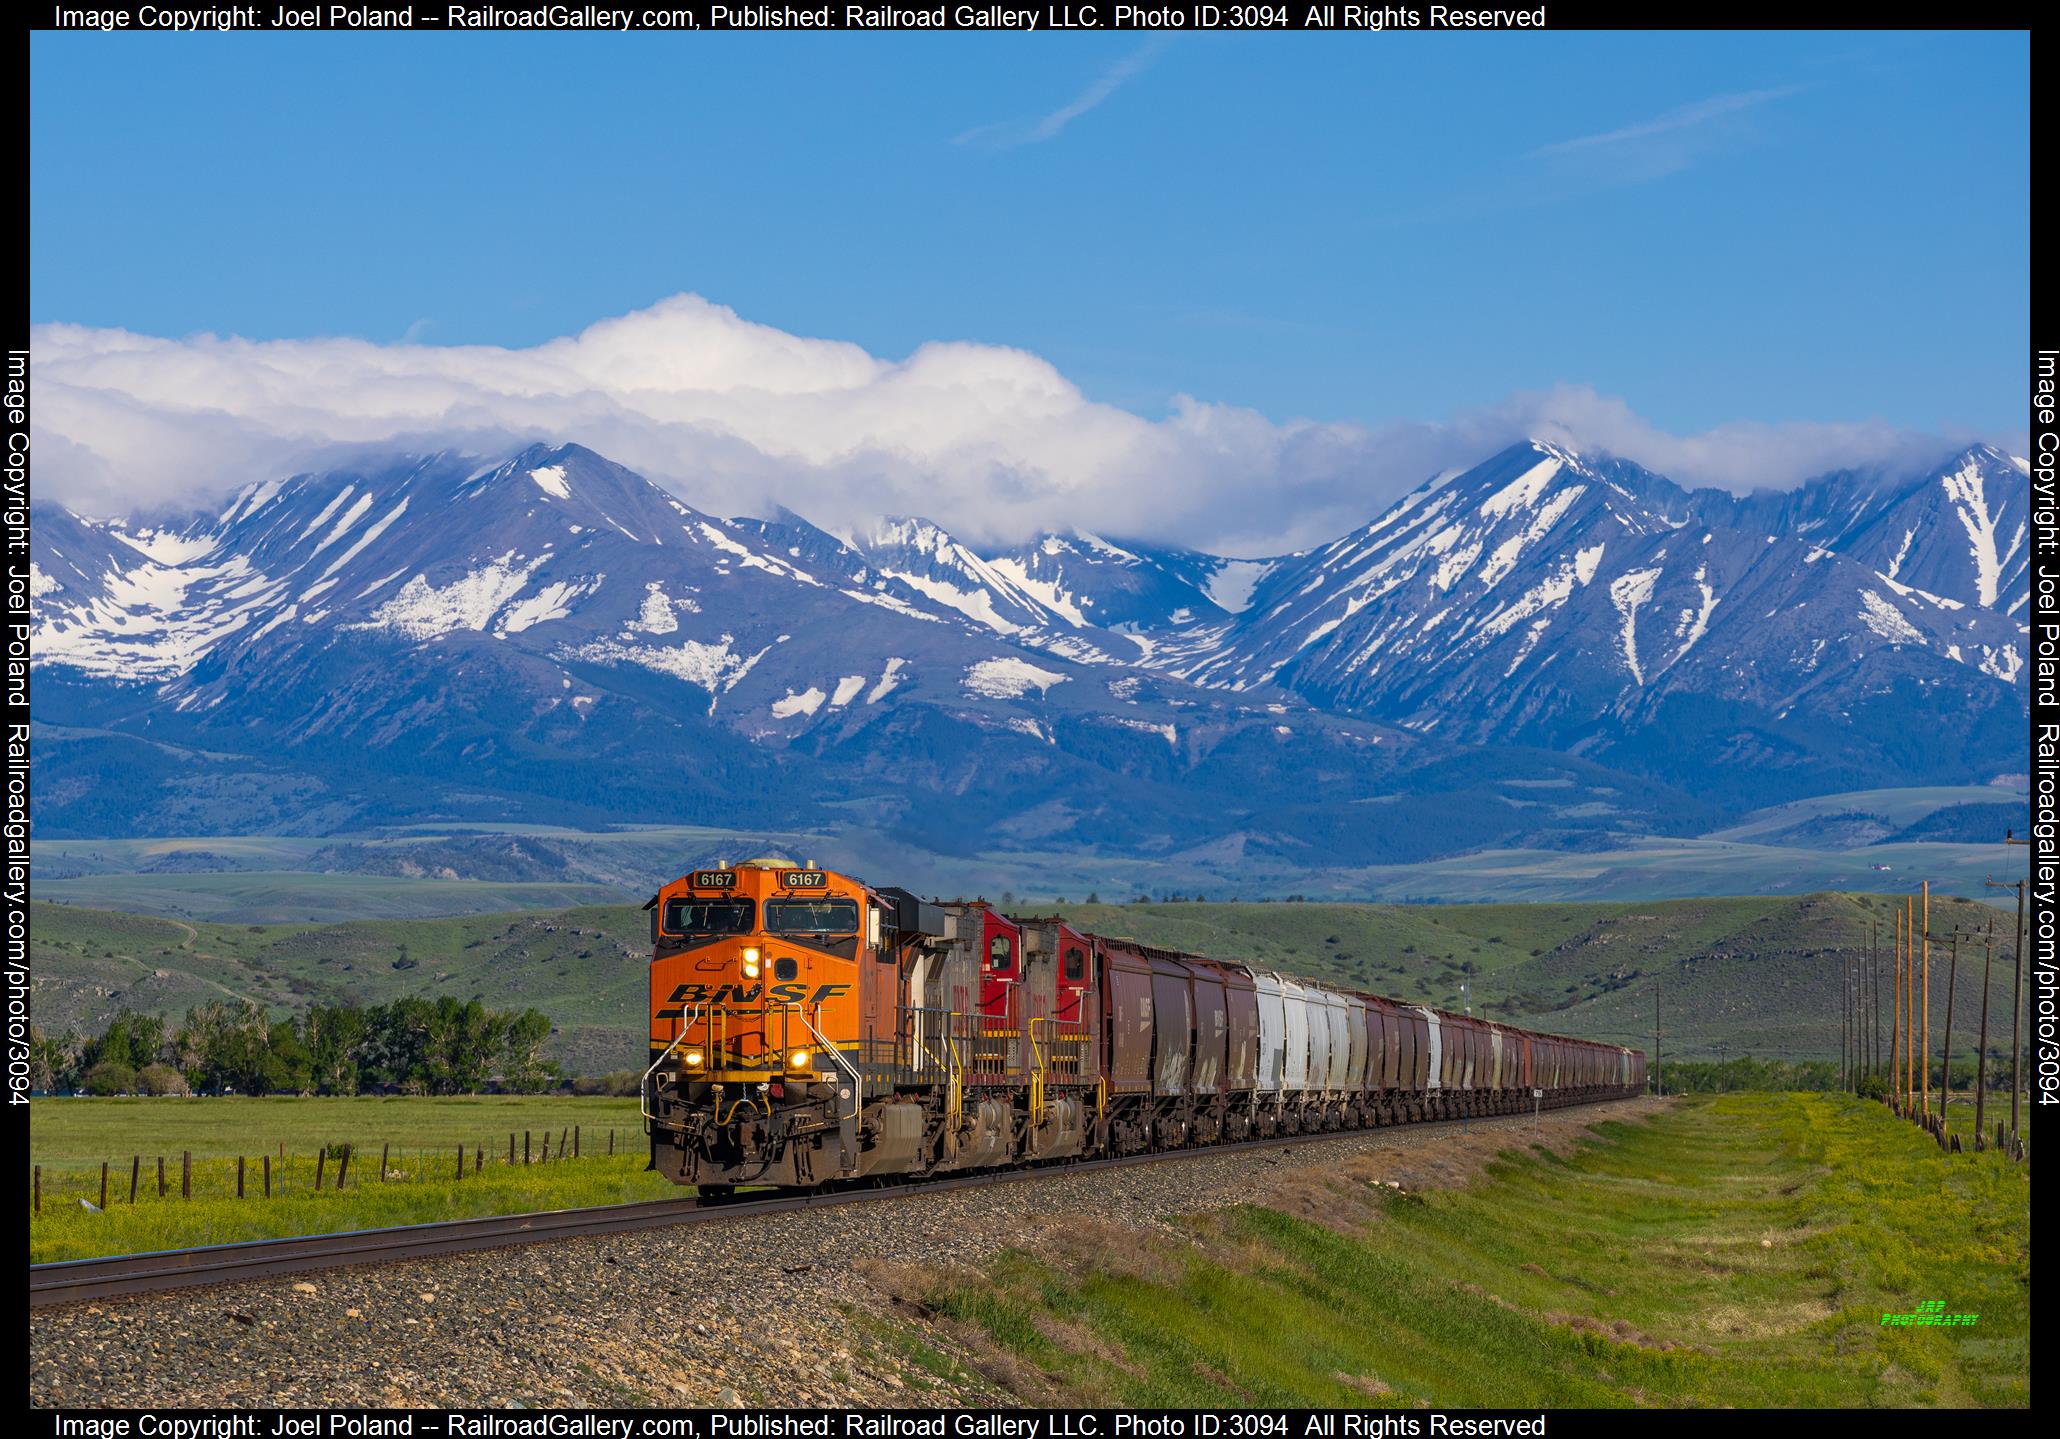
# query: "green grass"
414,1193
69,1138
77,1134
1735,1251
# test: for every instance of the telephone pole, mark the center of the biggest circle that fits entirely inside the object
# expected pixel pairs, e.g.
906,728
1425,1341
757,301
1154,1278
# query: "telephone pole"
1925,1077
1874,1008
1988,954
1659,1083
1945,1072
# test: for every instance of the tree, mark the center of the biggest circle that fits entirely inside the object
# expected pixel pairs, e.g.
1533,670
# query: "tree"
54,1061
110,1076
523,1064
161,1079
333,1037
130,1038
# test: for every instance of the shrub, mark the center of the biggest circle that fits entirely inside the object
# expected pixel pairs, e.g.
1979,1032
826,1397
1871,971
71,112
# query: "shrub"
161,1079
110,1076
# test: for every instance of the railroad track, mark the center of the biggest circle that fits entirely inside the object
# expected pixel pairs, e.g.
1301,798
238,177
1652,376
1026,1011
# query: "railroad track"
75,1281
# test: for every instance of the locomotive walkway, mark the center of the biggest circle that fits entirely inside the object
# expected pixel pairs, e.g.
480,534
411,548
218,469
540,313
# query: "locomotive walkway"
80,1280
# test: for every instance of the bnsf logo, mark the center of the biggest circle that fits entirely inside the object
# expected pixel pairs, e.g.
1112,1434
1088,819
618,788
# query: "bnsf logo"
699,995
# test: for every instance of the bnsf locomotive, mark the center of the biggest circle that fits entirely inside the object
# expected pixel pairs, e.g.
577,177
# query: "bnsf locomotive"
809,1029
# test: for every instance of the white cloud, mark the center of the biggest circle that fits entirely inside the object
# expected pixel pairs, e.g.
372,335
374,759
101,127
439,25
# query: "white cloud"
994,443
1007,134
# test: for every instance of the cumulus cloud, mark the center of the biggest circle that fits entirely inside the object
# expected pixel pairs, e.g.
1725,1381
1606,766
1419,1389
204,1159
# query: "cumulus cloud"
739,418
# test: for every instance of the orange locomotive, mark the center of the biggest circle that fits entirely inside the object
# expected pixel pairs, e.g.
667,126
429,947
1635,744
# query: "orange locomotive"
808,1029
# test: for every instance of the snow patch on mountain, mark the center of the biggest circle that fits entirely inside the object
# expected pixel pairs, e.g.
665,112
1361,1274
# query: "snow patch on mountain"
847,691
1008,678
1521,492
151,622
422,611
889,678
551,480
806,703
1627,592
1887,621
554,601
714,667
1969,498
1230,588
365,539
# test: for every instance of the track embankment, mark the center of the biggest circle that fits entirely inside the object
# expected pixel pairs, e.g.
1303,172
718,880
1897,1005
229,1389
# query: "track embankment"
788,1307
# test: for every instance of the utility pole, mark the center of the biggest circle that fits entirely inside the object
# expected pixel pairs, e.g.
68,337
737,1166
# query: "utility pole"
1659,1083
1988,954
1895,1031
1852,1030
1945,1073
1925,933
1874,1009
1845,1021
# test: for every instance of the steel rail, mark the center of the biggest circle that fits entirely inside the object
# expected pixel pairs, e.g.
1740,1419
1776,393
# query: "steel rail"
76,1281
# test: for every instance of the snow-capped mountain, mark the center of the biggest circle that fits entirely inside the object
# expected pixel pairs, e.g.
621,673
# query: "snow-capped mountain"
1588,605
547,632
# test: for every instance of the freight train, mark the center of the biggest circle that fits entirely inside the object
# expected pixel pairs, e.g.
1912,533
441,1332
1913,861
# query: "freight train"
811,1030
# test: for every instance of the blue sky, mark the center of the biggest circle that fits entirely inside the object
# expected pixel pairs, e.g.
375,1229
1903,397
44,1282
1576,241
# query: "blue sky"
1363,228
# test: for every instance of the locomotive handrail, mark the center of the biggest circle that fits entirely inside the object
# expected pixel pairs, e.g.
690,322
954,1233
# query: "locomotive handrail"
857,1084
644,1089
1036,1072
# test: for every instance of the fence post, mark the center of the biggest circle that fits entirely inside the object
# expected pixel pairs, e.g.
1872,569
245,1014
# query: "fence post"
611,1143
160,1176
478,1158
36,1195
575,1141
561,1144
135,1176
103,1184
384,1149
525,1146
342,1168
268,1176
186,1174
547,1147
239,1176
321,1163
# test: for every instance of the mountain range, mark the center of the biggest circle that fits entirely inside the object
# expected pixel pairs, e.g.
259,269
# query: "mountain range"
1550,648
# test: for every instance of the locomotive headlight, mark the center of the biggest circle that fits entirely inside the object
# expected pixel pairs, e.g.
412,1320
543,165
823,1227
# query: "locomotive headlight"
751,964
693,1058
798,1059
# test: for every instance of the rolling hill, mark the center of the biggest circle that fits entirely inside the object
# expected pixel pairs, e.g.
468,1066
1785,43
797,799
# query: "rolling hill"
1740,975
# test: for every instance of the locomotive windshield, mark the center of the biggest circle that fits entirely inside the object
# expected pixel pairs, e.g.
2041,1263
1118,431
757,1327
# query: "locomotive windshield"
830,925
811,916
708,916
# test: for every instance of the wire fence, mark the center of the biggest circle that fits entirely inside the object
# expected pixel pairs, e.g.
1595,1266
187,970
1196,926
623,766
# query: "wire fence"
281,1172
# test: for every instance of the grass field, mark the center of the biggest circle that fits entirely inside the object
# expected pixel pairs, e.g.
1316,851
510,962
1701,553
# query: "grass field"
70,1138
1736,1251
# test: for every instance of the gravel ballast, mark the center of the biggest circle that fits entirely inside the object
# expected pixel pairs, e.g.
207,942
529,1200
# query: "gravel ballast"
766,1310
